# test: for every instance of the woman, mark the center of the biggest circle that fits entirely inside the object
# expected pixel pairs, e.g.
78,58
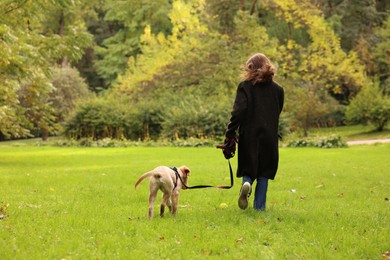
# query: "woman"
257,106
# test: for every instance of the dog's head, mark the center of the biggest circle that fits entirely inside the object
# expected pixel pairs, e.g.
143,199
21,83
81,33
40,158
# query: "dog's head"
185,173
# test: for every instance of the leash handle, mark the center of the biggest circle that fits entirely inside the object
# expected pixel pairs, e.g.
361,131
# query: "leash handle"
231,178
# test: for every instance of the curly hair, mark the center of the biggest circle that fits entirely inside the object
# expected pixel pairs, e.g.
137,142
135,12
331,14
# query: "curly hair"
258,68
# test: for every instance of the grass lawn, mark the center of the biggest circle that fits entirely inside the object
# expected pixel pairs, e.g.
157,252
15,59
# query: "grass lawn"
80,203
349,133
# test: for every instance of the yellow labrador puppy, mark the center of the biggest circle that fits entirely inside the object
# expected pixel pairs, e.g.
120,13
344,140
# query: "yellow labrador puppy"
169,181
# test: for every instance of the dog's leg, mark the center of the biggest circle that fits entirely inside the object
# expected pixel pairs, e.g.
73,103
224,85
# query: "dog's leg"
152,198
175,202
169,204
165,201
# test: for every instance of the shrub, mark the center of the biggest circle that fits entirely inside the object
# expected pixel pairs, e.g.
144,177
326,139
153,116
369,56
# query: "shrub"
371,106
69,89
332,141
98,119
195,118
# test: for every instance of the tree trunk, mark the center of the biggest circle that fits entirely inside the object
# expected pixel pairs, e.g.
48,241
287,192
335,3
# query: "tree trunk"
242,5
145,131
45,133
64,61
253,7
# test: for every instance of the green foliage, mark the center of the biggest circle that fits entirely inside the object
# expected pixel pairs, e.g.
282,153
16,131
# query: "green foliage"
155,50
322,63
195,73
97,119
18,60
30,43
382,55
110,142
33,97
370,106
188,60
190,116
358,19
221,14
309,107
70,89
174,117
131,17
332,141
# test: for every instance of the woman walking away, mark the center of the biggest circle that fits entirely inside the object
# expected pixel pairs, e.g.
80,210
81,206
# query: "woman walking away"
257,106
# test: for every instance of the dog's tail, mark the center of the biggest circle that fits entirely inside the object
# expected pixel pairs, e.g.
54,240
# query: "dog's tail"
144,176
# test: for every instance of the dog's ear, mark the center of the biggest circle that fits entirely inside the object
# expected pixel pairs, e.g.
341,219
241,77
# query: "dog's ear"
185,170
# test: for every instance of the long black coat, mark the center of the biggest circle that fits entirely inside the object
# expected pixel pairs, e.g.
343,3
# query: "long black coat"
255,114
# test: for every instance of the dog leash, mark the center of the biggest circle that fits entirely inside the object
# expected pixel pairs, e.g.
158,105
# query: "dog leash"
205,186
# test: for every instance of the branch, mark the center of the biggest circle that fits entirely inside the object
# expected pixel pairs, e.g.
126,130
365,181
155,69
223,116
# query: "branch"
253,7
16,7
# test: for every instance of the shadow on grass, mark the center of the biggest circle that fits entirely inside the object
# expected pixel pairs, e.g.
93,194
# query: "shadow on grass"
373,134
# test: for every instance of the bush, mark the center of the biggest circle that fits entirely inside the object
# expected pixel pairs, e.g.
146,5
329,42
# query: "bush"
332,141
370,106
70,88
193,117
98,119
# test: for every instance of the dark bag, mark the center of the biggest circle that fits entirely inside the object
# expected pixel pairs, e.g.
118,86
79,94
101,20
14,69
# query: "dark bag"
228,147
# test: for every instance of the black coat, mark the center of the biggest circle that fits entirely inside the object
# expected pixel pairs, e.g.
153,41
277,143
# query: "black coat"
255,114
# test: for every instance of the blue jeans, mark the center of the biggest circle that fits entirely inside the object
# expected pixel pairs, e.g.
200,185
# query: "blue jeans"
260,191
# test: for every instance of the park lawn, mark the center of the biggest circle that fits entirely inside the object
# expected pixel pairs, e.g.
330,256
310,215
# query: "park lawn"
80,203
348,133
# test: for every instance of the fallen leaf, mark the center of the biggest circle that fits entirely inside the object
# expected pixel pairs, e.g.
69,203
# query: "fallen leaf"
302,197
239,240
259,221
3,208
27,205
386,255
206,251
341,195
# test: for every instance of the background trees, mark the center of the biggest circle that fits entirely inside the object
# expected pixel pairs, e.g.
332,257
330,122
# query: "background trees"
170,68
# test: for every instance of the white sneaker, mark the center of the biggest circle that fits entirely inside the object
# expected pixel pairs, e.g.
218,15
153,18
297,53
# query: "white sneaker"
244,195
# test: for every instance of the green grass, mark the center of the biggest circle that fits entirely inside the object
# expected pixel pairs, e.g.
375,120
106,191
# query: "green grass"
80,203
350,133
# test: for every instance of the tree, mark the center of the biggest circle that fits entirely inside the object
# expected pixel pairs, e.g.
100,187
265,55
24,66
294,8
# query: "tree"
381,52
70,89
128,19
308,106
370,106
221,14
322,62
28,49
359,17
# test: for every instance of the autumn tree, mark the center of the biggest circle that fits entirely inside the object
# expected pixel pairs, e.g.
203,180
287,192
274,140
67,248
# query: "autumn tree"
370,106
127,20
29,48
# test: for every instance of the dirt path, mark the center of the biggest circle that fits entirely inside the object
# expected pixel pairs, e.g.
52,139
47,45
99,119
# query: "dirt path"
374,141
